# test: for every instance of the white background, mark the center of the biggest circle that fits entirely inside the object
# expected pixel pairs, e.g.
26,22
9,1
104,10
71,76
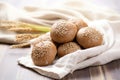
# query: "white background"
113,4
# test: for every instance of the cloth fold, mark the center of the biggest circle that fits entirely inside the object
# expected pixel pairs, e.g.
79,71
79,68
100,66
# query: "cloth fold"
105,20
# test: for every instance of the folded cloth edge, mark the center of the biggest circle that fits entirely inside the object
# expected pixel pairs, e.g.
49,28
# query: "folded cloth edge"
27,62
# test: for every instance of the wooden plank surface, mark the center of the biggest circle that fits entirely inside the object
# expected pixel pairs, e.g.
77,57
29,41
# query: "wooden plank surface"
10,70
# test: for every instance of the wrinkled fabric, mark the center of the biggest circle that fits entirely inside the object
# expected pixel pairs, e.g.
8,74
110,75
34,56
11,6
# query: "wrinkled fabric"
104,20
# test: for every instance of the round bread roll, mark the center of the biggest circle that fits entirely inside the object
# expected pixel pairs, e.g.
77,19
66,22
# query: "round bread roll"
63,31
67,48
79,23
43,53
89,37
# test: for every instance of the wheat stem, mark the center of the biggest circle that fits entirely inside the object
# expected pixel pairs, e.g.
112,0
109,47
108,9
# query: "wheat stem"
21,45
37,27
11,24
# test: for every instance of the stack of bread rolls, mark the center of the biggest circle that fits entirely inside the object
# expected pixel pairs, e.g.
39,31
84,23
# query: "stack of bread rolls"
64,38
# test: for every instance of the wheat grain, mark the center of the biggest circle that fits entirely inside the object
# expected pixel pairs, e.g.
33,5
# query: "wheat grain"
23,30
25,37
7,24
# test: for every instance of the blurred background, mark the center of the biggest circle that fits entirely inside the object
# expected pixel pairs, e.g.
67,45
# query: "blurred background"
112,4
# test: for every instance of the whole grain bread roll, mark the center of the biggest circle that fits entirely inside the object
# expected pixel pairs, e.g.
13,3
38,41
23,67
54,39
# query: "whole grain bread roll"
89,37
43,53
67,48
63,31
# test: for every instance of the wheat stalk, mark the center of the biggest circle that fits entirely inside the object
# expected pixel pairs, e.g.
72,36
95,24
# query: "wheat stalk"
7,24
21,45
10,25
23,40
36,27
25,37
23,30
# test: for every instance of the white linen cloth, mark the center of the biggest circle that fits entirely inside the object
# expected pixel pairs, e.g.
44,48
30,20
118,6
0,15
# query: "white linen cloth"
107,21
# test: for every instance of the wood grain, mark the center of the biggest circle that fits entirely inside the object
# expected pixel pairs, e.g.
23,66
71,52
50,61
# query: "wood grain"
96,73
10,70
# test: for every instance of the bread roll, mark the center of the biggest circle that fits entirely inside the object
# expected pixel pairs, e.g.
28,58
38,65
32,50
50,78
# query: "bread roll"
67,48
43,53
89,37
63,31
